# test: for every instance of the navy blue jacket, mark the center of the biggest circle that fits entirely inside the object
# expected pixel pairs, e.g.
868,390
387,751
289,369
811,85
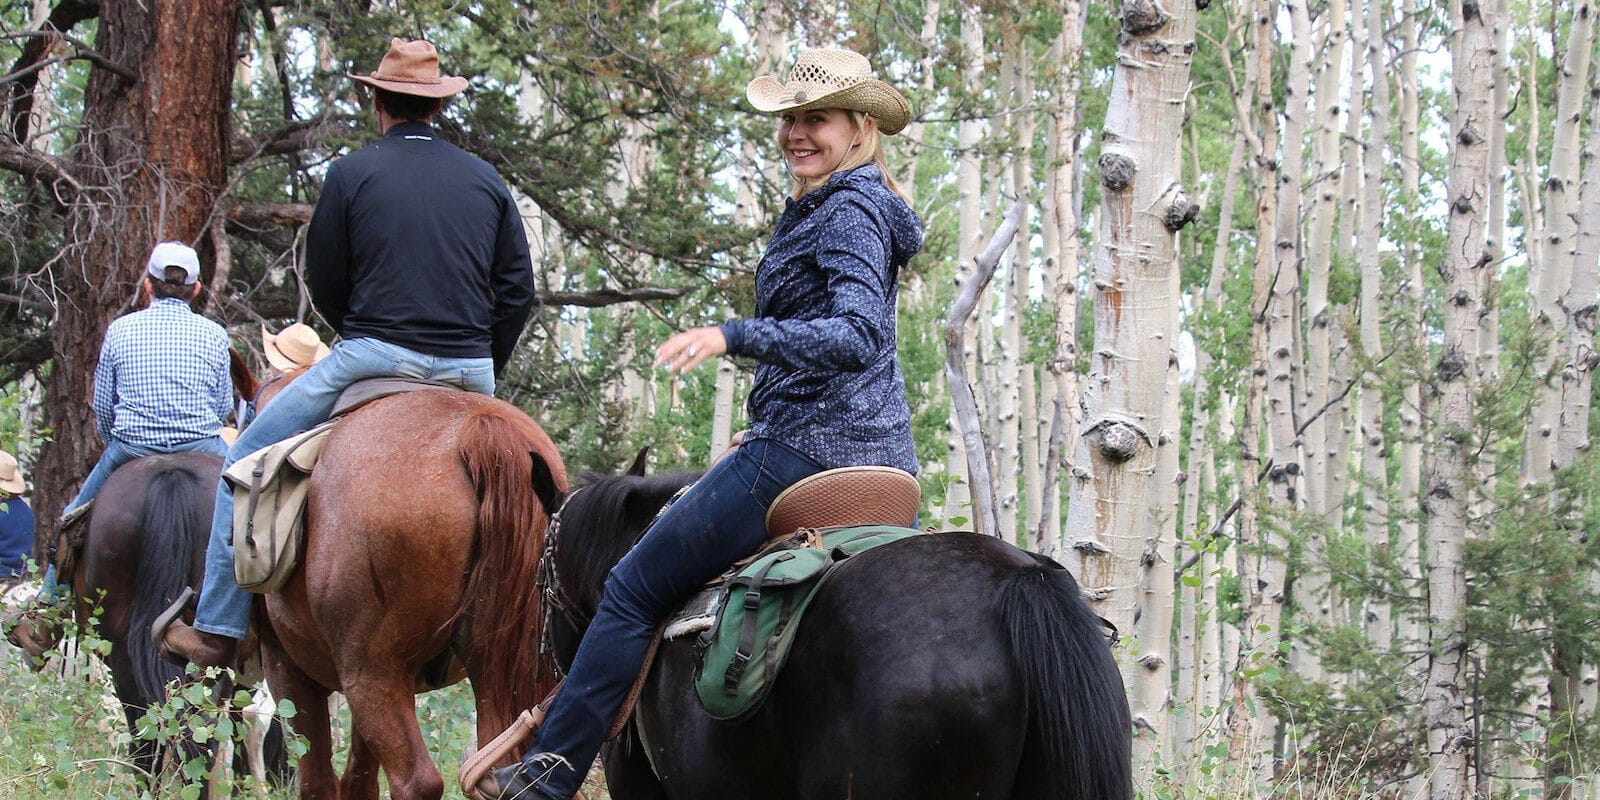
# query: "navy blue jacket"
829,383
16,535
418,243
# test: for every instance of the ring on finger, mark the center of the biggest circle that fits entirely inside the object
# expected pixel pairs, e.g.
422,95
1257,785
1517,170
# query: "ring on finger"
689,352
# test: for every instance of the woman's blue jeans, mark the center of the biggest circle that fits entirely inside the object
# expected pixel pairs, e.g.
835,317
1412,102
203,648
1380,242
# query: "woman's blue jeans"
717,522
303,404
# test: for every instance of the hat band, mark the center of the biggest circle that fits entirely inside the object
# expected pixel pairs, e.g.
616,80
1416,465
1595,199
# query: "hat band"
378,76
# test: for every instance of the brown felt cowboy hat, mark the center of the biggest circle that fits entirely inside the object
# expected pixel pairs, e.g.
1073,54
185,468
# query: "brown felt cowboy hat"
412,68
831,77
293,347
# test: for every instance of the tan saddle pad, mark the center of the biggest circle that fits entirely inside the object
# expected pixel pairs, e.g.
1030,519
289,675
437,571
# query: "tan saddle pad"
844,497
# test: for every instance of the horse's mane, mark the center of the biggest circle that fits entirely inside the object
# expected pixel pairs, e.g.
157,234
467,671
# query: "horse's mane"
608,513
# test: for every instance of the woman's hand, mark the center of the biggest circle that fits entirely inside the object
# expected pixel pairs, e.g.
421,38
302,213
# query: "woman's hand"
684,351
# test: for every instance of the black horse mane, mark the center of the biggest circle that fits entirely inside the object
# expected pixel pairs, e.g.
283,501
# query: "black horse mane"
608,513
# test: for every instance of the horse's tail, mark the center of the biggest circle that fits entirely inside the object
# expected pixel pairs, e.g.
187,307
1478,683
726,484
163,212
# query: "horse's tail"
1079,729
170,524
501,603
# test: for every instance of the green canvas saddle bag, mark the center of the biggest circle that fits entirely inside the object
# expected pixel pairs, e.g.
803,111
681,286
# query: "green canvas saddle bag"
760,609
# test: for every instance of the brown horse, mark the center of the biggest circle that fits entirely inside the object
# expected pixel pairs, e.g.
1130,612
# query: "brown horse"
421,550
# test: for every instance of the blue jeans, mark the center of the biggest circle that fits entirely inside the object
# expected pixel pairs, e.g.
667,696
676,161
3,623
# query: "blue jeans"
116,454
303,404
719,521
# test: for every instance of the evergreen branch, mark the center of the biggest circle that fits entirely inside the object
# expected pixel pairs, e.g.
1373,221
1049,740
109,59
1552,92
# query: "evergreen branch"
610,297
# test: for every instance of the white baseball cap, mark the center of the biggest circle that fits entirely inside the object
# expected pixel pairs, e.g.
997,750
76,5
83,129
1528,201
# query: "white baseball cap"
175,254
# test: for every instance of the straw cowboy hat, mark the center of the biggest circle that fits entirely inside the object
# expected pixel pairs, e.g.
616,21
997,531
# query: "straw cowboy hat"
412,68
831,77
293,347
11,480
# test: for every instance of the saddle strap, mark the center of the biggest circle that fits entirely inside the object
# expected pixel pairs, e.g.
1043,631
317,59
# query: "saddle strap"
626,711
523,727
478,764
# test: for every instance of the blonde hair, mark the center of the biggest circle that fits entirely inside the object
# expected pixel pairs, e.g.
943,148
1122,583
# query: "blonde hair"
868,150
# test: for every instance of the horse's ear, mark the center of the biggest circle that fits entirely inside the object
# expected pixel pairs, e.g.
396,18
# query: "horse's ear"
637,469
544,484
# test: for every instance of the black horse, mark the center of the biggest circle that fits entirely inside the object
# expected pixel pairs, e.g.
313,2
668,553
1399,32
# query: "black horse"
939,667
145,543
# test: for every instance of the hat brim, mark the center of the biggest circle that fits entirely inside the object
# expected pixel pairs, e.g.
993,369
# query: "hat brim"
282,362
14,486
447,85
872,96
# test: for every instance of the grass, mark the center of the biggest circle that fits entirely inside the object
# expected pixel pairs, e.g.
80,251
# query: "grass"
61,739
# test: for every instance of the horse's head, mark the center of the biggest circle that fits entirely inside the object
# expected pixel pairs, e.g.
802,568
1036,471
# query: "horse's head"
598,522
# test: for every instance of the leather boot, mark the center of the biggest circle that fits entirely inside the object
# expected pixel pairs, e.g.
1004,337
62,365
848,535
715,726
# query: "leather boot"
182,644
510,783
34,631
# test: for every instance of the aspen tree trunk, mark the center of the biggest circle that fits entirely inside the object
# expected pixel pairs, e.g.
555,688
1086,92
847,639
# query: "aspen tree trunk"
1283,479
1323,209
1549,282
1199,610
1374,447
1152,695
1408,541
1143,207
1027,390
1466,257
1224,564
969,175
915,130
1062,265
1575,387
1008,389
1251,731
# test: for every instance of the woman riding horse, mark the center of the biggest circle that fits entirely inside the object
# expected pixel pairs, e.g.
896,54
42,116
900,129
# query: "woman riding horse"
829,392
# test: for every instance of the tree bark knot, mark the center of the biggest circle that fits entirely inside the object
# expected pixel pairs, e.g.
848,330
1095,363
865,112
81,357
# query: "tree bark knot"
1116,171
1181,212
1152,662
1091,547
1452,364
1140,17
1118,440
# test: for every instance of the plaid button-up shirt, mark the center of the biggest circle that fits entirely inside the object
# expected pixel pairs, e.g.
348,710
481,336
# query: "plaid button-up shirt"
163,378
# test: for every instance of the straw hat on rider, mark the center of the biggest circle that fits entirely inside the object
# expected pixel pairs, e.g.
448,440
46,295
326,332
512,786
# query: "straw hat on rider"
293,347
831,77
412,68
11,481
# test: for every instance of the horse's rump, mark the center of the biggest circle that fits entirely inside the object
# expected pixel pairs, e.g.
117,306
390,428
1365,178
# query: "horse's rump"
421,512
904,674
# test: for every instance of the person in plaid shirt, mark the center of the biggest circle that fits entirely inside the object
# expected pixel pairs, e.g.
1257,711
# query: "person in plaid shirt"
161,386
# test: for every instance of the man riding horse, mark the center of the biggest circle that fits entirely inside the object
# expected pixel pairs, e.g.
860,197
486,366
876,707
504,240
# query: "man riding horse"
417,258
161,386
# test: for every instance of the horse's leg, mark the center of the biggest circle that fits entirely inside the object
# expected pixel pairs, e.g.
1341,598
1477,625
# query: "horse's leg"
317,780
383,708
360,779
628,772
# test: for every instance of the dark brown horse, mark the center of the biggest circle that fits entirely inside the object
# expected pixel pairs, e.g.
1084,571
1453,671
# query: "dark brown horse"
146,542
421,550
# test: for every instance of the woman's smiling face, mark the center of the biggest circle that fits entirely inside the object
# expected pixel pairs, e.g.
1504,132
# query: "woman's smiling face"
815,141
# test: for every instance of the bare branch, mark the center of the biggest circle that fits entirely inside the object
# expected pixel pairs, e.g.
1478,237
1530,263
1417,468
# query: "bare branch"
287,215
39,166
955,368
610,297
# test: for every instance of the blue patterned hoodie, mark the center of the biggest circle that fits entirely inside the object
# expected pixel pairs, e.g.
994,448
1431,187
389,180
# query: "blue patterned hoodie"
829,383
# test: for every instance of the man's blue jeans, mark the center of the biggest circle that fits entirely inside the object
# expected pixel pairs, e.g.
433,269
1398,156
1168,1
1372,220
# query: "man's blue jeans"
116,454
306,402
719,521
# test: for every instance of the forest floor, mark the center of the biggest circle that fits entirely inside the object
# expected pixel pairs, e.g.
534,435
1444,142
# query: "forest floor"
62,737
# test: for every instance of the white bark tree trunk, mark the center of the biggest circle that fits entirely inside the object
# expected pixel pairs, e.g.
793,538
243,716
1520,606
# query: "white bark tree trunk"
1061,255
1548,283
1143,206
1374,446
1462,270
969,179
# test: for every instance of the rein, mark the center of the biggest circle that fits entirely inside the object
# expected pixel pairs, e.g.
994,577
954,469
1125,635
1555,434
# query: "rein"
552,596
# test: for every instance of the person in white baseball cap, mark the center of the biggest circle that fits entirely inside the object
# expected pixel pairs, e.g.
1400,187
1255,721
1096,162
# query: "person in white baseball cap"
162,383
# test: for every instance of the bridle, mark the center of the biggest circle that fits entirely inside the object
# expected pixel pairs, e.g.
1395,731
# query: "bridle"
553,597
